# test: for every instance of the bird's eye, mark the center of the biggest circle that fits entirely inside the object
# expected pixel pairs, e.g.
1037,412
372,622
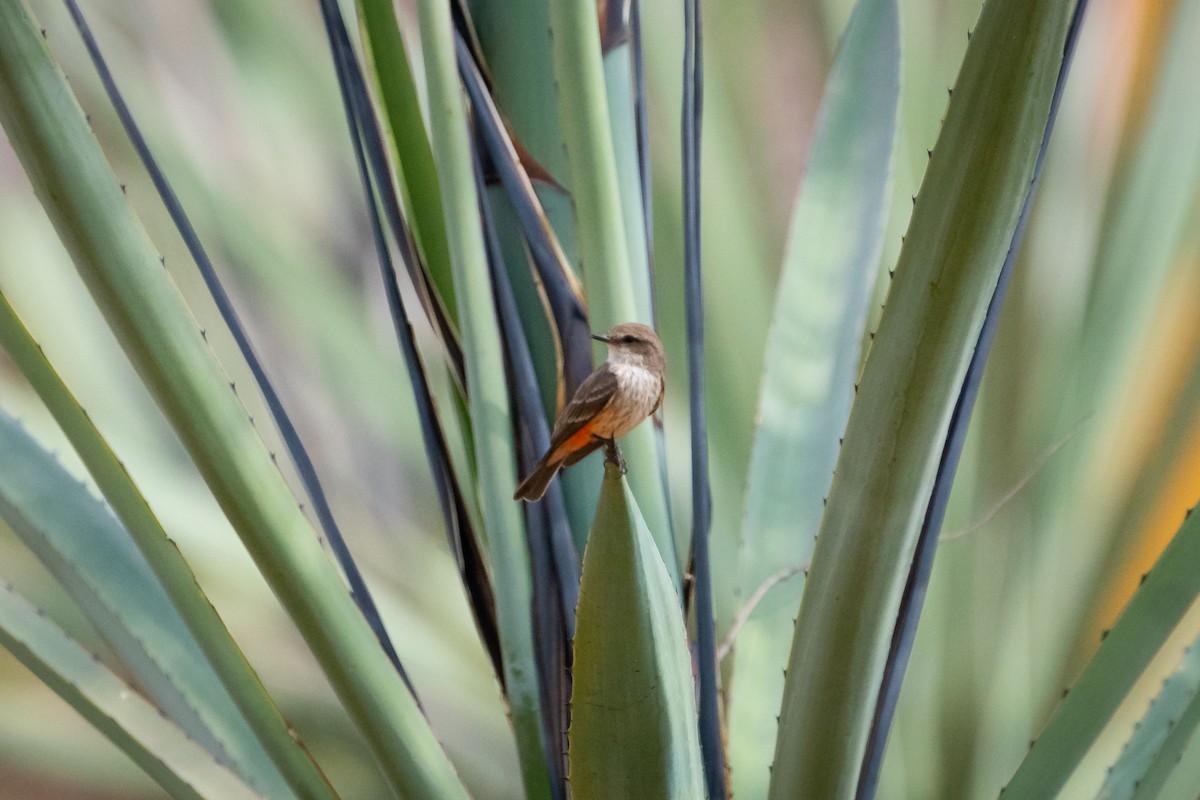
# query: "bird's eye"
627,339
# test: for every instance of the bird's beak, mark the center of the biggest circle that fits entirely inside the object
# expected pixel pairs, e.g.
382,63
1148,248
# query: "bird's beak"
604,339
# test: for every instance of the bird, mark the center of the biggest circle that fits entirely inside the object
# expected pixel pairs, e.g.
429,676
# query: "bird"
609,403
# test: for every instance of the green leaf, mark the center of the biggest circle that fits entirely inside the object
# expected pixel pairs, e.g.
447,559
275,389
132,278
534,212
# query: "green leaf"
1159,737
633,721
619,86
120,267
417,176
813,351
587,132
600,227
164,751
619,83
491,416
1169,590
961,230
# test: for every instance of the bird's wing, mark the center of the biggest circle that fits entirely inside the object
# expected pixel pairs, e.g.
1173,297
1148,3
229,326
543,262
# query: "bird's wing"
596,391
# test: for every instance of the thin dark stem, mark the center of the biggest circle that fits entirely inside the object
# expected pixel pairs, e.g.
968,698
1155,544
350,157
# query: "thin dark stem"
711,747
641,126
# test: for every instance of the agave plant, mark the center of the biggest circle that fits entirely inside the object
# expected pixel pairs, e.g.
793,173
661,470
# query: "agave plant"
483,185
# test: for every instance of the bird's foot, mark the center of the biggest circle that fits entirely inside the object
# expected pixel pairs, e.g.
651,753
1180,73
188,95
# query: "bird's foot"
612,454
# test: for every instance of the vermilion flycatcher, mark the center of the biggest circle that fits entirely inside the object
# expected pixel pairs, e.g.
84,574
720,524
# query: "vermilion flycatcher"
610,402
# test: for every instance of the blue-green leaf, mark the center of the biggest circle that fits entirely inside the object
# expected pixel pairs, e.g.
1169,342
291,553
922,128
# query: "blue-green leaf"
92,556
164,751
812,356
1159,737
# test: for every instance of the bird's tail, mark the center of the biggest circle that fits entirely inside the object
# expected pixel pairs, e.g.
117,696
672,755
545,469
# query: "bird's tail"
534,486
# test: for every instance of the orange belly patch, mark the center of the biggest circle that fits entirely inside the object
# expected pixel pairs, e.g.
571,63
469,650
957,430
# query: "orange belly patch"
580,438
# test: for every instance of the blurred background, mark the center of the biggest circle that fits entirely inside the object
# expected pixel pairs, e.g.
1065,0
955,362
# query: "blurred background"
1083,455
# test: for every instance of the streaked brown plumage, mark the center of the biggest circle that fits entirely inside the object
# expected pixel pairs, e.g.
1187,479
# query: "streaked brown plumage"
610,402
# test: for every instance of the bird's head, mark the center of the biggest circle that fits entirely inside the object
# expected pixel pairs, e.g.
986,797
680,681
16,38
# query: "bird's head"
635,344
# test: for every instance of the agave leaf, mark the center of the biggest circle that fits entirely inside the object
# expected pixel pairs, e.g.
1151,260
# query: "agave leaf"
641,124
1125,558
626,101
515,36
1181,779
620,90
912,600
557,281
113,254
175,576
812,359
303,463
492,422
742,248
416,172
1158,738
633,724
94,559
1172,773
461,530
1168,591
600,225
534,437
372,160
956,244
155,743
517,40
554,563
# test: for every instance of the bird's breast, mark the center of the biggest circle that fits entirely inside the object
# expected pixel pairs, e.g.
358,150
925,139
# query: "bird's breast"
638,393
